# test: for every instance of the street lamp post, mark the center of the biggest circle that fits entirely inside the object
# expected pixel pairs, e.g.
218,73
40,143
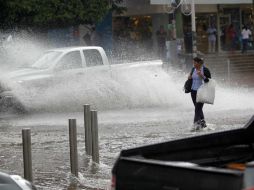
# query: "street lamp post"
188,9
193,27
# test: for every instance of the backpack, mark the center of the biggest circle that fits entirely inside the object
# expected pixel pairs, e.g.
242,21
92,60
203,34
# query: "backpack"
188,83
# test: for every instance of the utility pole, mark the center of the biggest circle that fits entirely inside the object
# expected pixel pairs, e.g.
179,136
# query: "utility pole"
193,27
252,12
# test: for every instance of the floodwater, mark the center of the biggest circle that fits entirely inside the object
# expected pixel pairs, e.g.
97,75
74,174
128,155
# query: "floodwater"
133,110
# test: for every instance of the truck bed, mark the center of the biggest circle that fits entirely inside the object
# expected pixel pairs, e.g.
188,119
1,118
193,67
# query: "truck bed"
200,162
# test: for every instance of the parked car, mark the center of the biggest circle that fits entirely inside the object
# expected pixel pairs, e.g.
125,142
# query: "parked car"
14,182
216,161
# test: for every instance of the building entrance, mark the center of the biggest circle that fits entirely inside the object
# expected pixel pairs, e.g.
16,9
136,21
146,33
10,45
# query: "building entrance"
203,22
228,22
132,36
230,29
224,23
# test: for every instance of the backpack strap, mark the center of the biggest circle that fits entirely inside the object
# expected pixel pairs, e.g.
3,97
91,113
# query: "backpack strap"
207,73
192,70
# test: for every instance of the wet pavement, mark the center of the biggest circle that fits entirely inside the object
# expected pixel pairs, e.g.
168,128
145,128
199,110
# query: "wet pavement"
118,129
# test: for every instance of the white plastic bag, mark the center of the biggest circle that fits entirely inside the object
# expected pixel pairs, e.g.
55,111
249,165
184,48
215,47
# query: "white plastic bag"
206,92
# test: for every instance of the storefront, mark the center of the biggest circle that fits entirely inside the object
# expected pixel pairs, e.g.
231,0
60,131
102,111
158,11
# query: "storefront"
206,16
132,32
221,14
136,28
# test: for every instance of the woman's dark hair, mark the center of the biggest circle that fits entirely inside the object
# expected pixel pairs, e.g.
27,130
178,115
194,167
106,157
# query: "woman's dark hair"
198,60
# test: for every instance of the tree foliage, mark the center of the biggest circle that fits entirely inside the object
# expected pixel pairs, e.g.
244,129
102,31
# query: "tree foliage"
54,13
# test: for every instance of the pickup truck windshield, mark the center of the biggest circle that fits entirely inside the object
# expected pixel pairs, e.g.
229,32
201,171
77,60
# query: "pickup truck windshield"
45,61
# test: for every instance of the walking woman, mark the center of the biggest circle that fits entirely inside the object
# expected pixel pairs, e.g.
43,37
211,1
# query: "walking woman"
199,74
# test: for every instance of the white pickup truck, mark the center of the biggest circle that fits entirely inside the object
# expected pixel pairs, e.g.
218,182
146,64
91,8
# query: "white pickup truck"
62,67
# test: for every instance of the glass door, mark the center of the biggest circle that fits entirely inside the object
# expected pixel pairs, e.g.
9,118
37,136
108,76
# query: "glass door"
224,22
203,21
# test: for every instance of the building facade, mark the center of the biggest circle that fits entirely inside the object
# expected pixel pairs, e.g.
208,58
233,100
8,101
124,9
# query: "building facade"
143,18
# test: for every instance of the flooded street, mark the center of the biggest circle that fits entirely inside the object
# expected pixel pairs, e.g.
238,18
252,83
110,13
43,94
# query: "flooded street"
133,110
129,61
118,130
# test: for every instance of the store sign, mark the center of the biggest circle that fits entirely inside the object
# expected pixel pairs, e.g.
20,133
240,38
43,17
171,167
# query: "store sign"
165,2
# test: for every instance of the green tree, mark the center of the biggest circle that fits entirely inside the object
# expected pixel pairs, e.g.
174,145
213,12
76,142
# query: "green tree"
54,13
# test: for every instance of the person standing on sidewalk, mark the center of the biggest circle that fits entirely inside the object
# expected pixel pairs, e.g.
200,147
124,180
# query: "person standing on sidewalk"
199,74
161,42
211,38
245,38
232,38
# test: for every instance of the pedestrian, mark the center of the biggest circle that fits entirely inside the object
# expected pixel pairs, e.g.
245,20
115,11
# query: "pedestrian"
188,39
211,38
231,37
245,38
199,74
161,42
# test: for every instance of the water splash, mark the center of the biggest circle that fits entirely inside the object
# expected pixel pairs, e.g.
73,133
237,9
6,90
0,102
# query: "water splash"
21,50
121,86
128,86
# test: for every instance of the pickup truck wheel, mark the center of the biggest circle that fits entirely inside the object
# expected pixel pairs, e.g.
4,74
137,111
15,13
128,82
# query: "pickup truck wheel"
11,105
18,107
3,105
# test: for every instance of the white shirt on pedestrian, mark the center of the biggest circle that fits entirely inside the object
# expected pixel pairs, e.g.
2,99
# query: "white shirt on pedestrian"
211,34
246,33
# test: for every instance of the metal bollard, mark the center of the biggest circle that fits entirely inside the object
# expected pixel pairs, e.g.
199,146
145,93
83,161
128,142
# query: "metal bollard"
95,144
73,146
27,154
88,132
